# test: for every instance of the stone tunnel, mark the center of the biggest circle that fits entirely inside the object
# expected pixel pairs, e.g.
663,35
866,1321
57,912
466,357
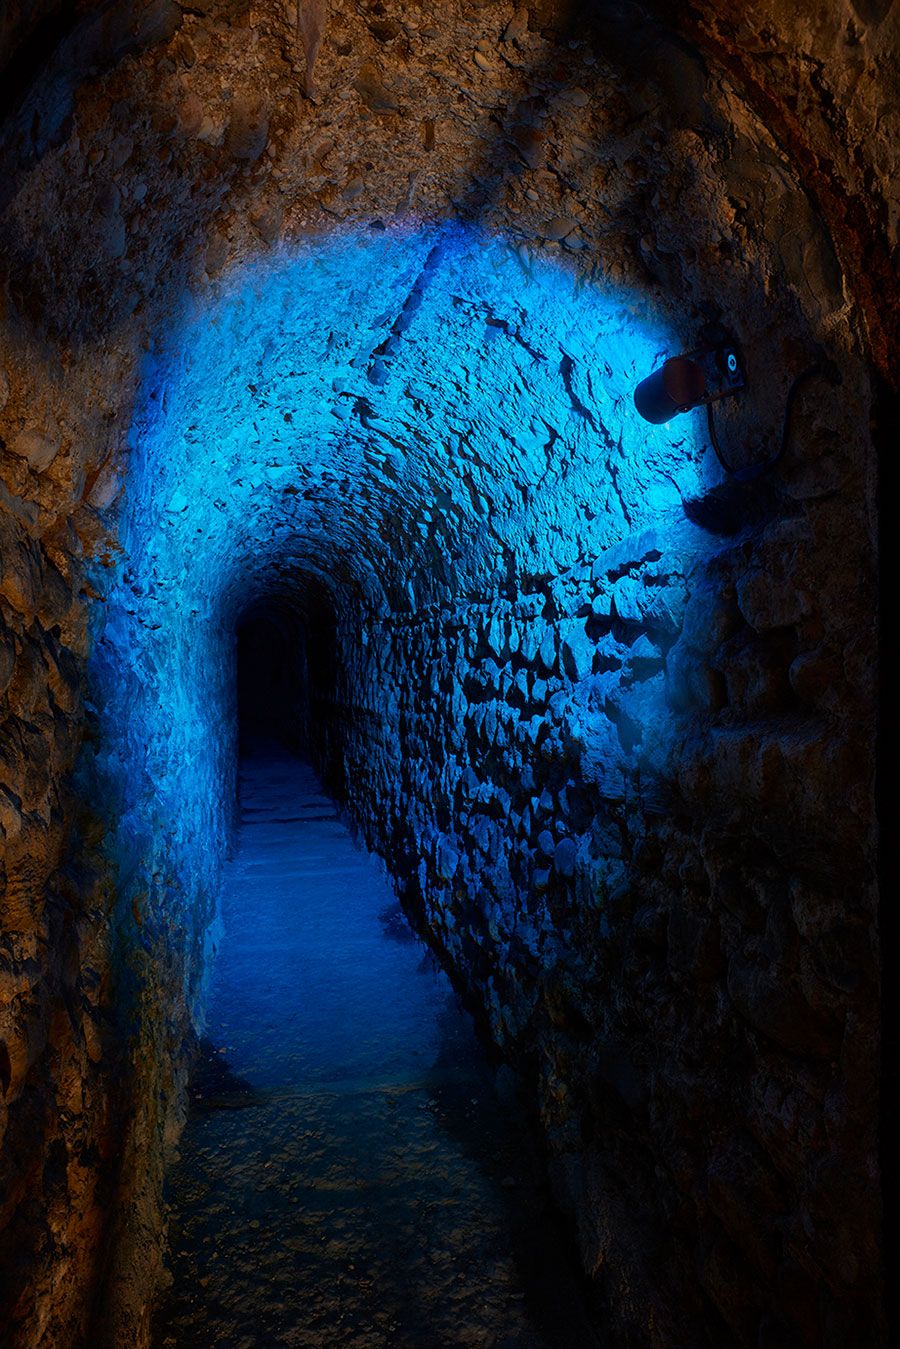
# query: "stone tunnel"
326,323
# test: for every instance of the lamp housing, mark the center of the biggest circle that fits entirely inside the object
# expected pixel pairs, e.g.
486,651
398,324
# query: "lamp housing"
687,381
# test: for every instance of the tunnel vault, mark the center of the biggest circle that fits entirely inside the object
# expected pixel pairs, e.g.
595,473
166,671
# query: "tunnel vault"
362,358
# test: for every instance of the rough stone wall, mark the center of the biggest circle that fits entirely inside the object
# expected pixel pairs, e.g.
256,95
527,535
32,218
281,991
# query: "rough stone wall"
669,957
819,78
699,905
96,1003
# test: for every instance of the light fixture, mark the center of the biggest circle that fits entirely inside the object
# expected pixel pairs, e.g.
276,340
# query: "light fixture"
685,382
700,378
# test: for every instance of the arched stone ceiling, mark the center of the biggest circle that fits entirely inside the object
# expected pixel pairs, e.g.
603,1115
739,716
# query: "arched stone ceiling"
820,83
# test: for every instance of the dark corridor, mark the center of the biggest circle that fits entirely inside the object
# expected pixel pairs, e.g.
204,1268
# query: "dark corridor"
347,1175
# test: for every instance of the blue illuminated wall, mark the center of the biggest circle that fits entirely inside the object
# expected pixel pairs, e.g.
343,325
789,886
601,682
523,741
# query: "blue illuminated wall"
430,434
415,451
576,726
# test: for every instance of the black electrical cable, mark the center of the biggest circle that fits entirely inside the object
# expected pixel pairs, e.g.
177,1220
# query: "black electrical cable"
826,368
715,442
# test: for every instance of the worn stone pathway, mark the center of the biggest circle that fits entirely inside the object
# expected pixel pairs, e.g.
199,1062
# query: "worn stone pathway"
347,1176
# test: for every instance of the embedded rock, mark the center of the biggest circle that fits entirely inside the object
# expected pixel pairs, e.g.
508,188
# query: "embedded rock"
38,447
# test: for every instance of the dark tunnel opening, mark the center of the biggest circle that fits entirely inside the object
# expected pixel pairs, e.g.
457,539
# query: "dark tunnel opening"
283,665
263,659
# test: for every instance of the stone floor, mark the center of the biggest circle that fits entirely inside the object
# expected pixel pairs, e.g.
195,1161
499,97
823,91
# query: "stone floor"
347,1176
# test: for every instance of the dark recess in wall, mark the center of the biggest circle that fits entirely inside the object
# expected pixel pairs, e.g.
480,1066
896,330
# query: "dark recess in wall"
886,436
29,56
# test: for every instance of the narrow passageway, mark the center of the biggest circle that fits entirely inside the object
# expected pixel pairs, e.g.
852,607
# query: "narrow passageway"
346,1176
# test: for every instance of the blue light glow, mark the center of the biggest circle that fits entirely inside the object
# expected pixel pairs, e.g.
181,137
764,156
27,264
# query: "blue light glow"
403,418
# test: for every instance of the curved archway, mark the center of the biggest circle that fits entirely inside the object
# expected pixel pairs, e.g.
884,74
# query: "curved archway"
408,449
